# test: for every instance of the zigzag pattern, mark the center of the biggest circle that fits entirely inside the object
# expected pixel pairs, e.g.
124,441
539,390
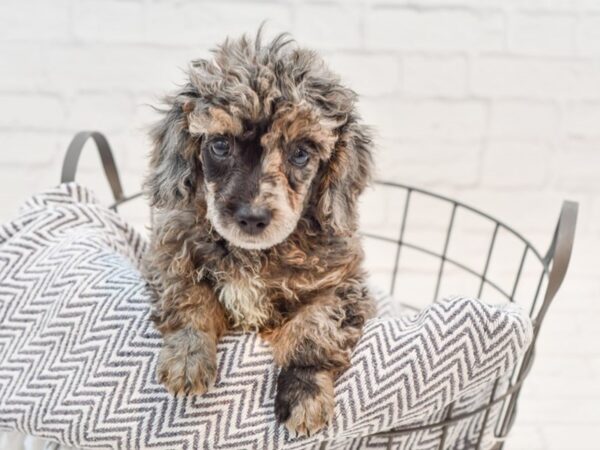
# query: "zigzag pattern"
78,353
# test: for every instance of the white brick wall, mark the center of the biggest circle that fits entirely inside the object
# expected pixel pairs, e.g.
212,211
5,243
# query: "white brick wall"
496,102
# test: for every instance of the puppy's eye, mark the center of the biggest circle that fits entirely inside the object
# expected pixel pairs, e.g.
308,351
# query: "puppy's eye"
300,157
220,147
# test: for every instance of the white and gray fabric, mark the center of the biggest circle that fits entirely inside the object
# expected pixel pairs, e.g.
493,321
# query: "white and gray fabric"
78,353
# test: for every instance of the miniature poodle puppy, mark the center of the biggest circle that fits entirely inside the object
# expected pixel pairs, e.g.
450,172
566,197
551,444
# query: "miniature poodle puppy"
254,175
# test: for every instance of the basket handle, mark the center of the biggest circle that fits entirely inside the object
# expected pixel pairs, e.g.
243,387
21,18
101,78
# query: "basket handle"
559,254
69,168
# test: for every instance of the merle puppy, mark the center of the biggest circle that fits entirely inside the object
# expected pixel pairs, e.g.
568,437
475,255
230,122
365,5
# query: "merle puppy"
254,175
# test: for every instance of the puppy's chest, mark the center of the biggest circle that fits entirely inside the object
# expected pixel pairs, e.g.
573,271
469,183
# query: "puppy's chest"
245,298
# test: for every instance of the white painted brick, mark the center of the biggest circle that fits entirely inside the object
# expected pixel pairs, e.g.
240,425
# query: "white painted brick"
28,149
525,437
561,436
426,163
567,6
523,119
542,34
373,206
132,182
137,69
588,35
397,28
135,145
501,76
535,210
586,6
22,67
579,161
30,20
398,117
134,149
102,111
565,322
146,112
108,20
595,216
209,23
582,120
18,185
515,164
437,76
31,111
559,367
583,283
595,364
548,407
328,26
367,74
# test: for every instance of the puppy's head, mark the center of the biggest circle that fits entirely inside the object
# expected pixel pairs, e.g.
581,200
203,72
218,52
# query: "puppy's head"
260,137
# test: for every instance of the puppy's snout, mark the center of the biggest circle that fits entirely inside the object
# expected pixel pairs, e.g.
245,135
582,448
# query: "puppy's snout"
252,219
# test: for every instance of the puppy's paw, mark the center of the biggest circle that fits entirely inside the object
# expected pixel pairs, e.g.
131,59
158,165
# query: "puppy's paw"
187,363
304,400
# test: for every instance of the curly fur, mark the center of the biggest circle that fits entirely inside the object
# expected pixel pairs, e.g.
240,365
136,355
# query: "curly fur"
300,282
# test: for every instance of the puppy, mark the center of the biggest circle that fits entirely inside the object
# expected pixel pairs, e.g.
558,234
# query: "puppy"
255,172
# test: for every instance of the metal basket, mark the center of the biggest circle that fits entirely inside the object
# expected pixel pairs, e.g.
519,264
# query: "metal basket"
544,272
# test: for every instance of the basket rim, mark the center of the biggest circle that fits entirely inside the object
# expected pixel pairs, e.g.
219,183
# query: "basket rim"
468,207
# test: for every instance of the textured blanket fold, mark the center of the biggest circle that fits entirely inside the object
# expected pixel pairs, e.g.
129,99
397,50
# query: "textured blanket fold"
78,352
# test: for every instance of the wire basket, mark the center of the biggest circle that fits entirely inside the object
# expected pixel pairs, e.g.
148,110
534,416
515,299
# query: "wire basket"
459,249
427,246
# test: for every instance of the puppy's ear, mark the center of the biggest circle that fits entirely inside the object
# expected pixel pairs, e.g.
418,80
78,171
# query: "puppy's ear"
172,178
344,177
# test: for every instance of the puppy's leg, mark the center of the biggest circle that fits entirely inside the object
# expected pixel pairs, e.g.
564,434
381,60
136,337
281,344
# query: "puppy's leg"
191,323
304,400
312,348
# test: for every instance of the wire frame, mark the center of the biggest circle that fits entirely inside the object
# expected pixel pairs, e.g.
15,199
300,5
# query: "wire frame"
488,241
400,244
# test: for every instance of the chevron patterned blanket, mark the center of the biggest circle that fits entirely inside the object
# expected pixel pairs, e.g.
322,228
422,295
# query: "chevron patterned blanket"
78,352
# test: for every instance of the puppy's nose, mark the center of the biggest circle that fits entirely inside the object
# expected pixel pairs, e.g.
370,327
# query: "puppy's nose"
252,219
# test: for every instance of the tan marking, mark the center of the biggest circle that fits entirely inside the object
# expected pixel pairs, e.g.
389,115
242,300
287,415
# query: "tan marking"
271,161
311,414
217,121
285,216
273,172
301,122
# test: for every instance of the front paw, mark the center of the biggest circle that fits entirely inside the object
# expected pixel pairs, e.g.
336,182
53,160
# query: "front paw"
304,400
187,363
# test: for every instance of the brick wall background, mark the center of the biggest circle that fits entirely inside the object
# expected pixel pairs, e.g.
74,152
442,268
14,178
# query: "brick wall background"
494,102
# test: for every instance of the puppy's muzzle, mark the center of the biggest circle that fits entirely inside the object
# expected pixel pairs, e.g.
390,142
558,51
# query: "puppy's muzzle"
252,220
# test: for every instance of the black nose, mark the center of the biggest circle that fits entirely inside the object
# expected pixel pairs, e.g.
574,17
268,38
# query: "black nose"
252,219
